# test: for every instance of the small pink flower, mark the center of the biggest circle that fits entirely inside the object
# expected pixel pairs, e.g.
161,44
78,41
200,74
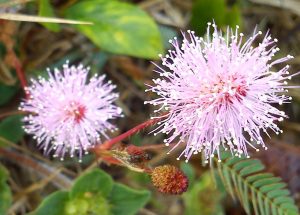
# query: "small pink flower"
219,92
68,114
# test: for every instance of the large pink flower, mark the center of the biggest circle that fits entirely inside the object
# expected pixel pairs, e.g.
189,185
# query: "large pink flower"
219,92
68,114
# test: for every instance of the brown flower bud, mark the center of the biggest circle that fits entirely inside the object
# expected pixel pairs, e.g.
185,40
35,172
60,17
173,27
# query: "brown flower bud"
169,179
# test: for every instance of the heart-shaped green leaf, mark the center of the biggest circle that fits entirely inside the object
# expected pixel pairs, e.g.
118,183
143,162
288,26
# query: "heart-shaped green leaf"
119,27
96,181
127,201
54,204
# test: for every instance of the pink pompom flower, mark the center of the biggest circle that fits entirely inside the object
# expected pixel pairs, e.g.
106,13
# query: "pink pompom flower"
218,92
68,114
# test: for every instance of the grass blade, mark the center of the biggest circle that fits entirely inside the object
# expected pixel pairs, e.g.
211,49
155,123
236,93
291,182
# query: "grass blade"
29,18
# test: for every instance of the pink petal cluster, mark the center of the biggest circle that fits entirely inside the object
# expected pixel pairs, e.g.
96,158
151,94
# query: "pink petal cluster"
218,92
68,113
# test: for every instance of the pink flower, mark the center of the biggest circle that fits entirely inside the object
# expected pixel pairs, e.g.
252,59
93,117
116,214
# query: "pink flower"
218,92
68,114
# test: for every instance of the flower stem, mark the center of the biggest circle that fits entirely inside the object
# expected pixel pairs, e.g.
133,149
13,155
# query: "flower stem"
109,144
20,74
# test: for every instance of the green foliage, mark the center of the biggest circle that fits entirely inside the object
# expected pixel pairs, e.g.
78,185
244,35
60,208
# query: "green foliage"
99,59
233,16
95,181
94,193
119,27
202,196
136,139
167,33
188,171
46,10
54,204
258,192
142,179
5,193
205,11
88,203
6,93
126,201
11,128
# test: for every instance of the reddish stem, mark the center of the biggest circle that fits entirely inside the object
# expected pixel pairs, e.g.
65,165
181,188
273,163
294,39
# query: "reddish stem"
20,74
109,144
12,113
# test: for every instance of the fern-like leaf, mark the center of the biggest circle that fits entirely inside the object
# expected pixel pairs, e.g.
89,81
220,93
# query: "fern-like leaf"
259,193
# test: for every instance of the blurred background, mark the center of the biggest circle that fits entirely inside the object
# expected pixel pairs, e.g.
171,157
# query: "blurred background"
125,38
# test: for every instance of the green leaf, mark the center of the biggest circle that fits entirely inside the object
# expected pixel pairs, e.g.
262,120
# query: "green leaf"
167,33
96,181
94,193
245,163
203,197
188,171
11,128
270,187
5,193
265,181
233,160
54,204
283,199
258,176
46,10
127,201
88,196
251,169
6,93
136,139
227,181
233,16
276,193
289,206
205,11
119,27
141,178
263,190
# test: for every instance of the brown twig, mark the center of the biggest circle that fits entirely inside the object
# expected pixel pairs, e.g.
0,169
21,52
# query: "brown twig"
31,163
38,157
